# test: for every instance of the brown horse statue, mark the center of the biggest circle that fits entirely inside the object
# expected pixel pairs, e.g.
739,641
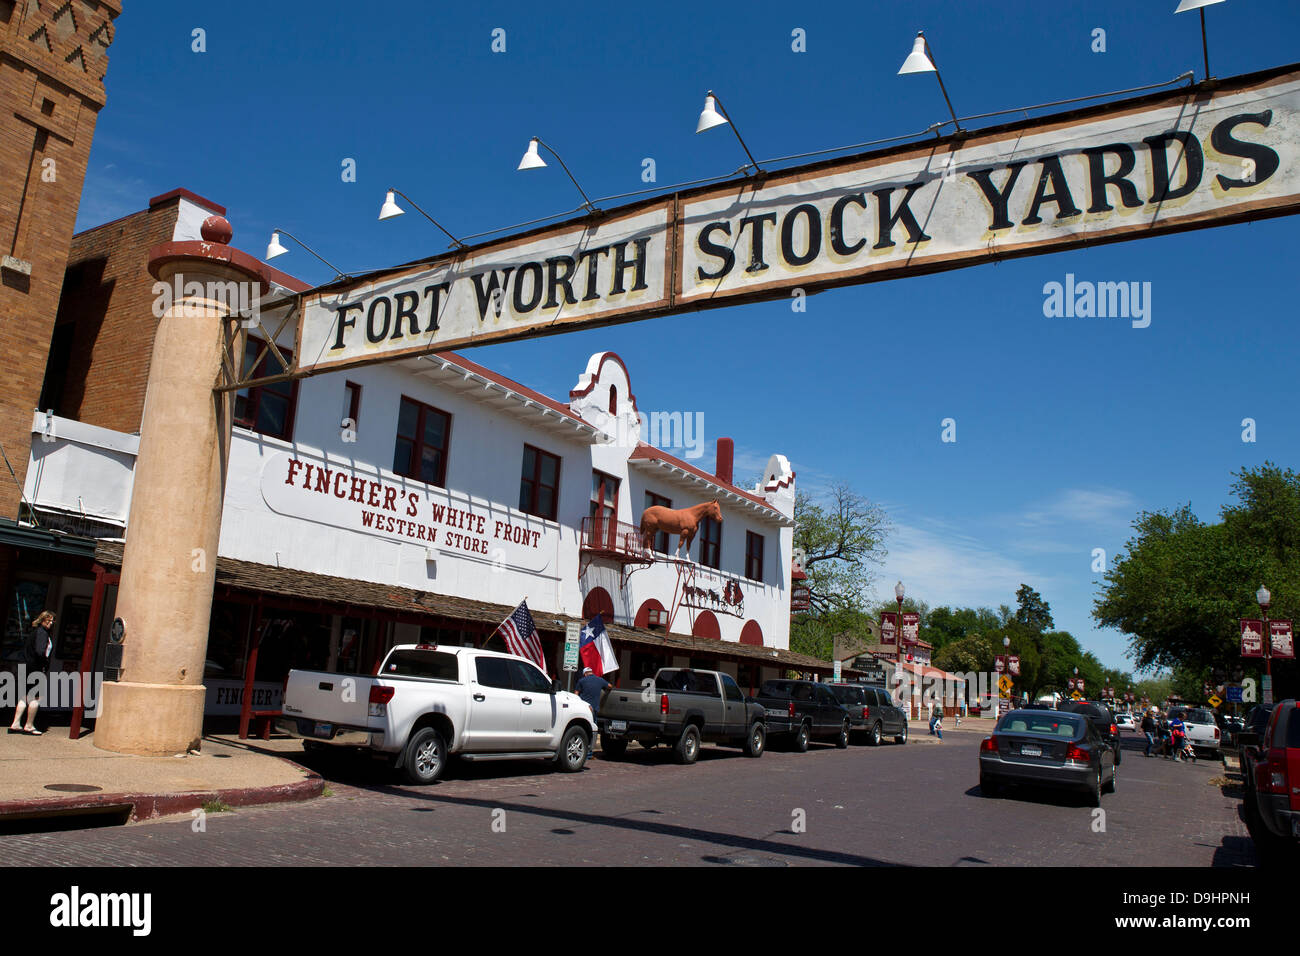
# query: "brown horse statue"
683,522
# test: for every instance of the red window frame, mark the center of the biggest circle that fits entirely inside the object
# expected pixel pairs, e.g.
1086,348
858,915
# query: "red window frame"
608,514
250,403
753,556
530,485
412,467
353,392
711,543
662,538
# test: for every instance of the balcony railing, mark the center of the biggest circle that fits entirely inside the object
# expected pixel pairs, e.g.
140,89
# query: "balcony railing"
615,539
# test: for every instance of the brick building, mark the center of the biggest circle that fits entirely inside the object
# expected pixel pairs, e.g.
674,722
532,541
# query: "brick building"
53,57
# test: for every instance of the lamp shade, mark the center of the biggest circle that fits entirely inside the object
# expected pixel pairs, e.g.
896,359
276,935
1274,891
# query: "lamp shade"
917,61
1262,597
898,590
1187,5
532,160
274,248
709,116
390,207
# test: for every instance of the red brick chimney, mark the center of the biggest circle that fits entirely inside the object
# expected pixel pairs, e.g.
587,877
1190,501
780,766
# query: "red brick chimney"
726,458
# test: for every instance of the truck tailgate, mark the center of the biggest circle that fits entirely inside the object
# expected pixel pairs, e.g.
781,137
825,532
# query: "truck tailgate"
629,706
339,699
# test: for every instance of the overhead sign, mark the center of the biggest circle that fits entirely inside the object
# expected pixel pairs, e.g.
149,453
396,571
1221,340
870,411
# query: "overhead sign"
1180,159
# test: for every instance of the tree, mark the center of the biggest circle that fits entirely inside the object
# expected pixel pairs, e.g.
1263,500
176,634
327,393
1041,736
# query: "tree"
840,539
1031,610
973,652
1181,585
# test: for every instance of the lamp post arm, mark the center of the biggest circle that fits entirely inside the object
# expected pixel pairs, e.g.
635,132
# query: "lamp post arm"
752,161
943,89
454,241
338,273
586,200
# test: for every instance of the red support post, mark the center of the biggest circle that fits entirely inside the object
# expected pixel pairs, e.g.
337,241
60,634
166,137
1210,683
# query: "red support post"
250,670
88,651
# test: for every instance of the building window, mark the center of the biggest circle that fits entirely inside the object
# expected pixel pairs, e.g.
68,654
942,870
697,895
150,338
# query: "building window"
711,543
267,409
351,405
753,556
423,433
662,538
604,509
539,483
613,399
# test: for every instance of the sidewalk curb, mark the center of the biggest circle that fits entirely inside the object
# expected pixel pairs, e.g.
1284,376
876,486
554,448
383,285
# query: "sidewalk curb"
153,806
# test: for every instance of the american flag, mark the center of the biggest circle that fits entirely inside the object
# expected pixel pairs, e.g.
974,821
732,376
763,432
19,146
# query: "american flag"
520,635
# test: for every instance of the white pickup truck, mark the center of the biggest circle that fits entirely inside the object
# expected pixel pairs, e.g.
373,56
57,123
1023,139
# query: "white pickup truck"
429,702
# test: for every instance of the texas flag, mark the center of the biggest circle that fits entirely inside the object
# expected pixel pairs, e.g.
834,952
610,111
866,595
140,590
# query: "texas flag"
595,649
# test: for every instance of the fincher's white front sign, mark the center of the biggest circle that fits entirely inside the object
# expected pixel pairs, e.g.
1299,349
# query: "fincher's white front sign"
397,508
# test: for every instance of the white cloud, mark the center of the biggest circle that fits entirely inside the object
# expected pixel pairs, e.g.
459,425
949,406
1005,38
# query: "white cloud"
1083,506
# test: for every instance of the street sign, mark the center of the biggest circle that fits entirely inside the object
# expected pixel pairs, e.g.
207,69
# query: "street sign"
1215,701
571,633
1076,696
1234,693
837,672
1004,685
1268,689
1013,665
999,664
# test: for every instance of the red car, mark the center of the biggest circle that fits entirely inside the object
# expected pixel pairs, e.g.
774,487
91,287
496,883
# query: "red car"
1272,772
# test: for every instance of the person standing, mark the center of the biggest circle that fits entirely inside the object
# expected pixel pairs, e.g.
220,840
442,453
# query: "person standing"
938,722
591,688
36,656
1150,727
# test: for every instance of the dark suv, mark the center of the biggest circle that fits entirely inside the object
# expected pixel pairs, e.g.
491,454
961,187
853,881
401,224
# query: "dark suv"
872,712
1270,770
1101,718
801,710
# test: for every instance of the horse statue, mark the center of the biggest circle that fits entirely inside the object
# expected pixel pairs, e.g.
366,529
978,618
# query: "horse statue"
683,522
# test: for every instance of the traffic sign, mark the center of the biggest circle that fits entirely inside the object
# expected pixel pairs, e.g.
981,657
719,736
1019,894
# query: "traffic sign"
1077,696
571,633
1215,700
1234,693
1004,685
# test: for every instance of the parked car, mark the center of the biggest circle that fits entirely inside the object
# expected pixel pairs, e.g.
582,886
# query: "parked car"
797,711
683,707
1049,748
429,702
1202,729
1125,722
1229,728
1271,775
1101,718
872,712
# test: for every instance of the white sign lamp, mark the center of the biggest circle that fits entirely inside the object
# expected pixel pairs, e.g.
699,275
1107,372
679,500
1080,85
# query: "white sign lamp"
921,60
715,114
390,210
1199,6
275,248
533,160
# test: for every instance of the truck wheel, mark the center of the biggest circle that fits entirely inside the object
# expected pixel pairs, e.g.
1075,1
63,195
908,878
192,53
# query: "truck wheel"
756,740
842,741
688,745
801,738
573,750
902,738
426,755
612,748
875,735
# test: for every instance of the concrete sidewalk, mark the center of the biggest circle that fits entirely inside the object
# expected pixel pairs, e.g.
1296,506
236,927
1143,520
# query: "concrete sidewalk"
52,777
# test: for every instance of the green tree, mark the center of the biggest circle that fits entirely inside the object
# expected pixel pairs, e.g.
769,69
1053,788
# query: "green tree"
840,538
974,652
1031,610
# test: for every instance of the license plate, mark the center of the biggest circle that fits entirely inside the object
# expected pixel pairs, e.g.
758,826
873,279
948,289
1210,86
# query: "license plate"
776,713
618,726
324,730
1028,751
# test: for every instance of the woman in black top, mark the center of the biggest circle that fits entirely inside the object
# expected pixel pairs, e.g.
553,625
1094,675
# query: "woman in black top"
36,655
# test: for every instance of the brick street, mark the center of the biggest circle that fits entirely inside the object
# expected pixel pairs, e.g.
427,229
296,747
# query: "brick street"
917,804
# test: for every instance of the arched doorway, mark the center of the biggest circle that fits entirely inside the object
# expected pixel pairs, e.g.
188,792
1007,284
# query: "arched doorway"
599,602
643,612
706,625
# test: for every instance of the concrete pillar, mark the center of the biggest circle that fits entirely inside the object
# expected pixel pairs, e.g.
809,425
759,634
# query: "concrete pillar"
170,559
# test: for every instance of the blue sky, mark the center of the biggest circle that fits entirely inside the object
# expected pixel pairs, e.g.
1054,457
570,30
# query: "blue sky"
1066,428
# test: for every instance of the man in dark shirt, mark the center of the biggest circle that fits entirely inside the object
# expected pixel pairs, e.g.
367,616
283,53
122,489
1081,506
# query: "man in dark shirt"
1150,727
590,689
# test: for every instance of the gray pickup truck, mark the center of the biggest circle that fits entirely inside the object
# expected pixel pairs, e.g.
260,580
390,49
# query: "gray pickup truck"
683,708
